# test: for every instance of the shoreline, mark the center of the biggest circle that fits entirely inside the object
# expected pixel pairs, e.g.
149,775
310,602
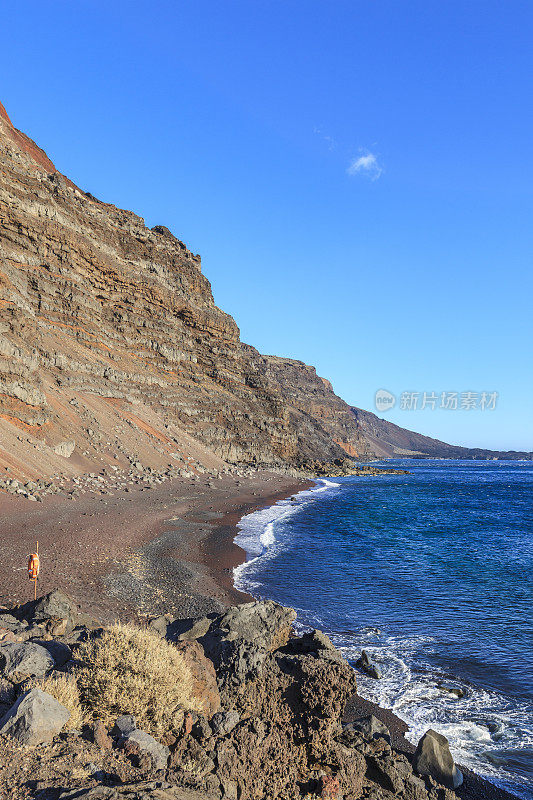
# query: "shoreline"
170,550
221,553
474,787
142,550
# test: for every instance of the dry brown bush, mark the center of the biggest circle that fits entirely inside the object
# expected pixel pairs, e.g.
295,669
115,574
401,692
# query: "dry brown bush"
65,690
129,670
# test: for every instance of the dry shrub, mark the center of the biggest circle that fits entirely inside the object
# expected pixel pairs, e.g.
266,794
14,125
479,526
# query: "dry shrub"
65,690
130,670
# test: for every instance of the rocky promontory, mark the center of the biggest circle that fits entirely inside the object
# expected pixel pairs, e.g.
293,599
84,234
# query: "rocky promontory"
230,705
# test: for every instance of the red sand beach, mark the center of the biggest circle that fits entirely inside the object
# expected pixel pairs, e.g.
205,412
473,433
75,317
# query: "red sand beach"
86,543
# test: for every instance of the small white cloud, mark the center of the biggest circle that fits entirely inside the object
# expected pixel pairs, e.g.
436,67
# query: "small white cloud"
366,164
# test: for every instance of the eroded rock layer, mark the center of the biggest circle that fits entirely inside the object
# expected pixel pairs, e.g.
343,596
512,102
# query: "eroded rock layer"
112,348
114,354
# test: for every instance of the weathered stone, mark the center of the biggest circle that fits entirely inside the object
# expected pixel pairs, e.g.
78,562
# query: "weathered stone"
124,726
223,722
383,771
290,712
10,622
35,718
371,726
329,787
229,789
262,623
367,666
449,688
189,630
201,729
204,688
194,760
52,607
60,652
31,632
147,790
160,624
21,660
415,789
239,641
433,757
101,737
314,642
150,747
64,449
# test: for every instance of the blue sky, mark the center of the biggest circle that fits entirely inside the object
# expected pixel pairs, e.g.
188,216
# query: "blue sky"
357,176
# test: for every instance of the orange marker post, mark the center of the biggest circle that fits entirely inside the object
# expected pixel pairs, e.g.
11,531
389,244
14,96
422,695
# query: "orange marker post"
34,567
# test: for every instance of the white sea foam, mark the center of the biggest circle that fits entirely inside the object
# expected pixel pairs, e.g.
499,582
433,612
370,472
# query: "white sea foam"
484,728
481,727
257,532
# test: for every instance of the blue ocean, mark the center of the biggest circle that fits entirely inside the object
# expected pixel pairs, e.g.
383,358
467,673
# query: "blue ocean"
431,573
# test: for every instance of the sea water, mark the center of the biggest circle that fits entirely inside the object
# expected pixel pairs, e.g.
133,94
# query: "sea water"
430,573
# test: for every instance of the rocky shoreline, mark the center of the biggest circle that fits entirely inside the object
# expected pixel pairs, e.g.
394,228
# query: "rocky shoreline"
301,730
257,712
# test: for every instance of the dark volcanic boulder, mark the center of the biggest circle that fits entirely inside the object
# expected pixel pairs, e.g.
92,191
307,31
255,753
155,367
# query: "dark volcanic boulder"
314,642
21,660
371,726
10,623
239,641
124,726
433,757
264,624
56,611
367,666
290,713
140,743
224,722
282,698
60,652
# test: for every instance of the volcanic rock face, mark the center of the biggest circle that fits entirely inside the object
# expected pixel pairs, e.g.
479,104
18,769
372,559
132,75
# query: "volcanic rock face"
113,352
112,349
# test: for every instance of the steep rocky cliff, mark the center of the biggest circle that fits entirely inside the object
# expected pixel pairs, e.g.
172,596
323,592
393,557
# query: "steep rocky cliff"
113,351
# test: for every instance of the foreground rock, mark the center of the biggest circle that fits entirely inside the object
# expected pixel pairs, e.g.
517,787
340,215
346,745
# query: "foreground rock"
20,660
56,611
147,790
433,757
240,641
36,718
279,735
260,718
141,744
204,688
